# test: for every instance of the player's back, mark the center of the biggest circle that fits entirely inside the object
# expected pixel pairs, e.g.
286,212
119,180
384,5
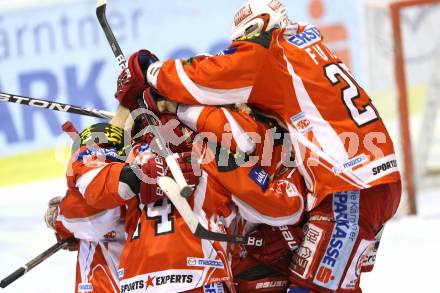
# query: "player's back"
339,138
162,254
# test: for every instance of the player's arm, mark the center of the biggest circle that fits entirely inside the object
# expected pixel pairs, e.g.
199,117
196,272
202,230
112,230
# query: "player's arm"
227,78
232,128
274,202
71,216
216,80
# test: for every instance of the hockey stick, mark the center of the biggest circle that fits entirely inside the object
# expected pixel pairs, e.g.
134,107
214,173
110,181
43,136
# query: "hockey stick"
185,190
34,262
170,187
44,104
179,185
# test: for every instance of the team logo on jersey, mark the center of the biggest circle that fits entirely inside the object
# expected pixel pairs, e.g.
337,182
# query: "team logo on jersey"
308,37
203,262
345,232
301,123
85,287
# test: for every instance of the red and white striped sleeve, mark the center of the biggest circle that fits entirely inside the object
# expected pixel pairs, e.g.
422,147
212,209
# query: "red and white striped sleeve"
221,121
223,79
82,220
98,181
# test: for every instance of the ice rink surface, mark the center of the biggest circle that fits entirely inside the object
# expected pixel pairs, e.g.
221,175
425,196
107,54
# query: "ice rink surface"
408,258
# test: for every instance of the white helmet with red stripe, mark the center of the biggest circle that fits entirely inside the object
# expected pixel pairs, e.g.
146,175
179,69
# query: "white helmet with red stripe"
258,16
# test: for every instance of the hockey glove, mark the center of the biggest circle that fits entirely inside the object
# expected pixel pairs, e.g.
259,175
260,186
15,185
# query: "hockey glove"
279,244
50,217
131,83
155,166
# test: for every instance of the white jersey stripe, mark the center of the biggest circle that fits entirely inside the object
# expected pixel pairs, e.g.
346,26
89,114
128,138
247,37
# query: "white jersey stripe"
209,96
189,115
84,180
85,258
252,215
244,142
322,130
94,227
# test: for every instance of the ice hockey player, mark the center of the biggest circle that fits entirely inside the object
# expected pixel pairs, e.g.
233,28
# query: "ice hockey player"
100,232
99,235
147,261
343,150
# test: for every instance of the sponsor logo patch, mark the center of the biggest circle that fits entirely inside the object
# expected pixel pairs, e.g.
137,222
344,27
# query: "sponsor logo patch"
306,38
354,271
203,262
121,273
260,177
302,259
345,232
370,258
301,123
384,167
163,281
85,287
133,286
356,161
291,241
214,288
273,284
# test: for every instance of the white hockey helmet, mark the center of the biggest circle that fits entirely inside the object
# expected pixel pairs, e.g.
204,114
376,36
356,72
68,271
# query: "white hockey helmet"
257,16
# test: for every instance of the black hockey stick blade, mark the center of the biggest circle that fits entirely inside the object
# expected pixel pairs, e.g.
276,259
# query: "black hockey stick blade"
56,106
102,18
34,262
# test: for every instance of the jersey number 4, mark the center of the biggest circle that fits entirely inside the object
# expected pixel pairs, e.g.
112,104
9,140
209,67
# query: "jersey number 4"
335,72
162,213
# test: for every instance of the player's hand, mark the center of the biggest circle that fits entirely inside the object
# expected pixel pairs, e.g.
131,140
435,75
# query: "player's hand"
51,213
279,243
157,103
131,83
50,217
155,166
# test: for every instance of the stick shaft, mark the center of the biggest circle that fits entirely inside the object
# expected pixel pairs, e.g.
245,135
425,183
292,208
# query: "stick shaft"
34,262
185,190
56,106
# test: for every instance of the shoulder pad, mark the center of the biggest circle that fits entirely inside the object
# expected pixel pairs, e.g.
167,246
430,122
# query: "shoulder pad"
264,39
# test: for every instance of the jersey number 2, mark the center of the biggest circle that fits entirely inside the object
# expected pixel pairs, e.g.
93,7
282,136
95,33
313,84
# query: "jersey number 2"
349,93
